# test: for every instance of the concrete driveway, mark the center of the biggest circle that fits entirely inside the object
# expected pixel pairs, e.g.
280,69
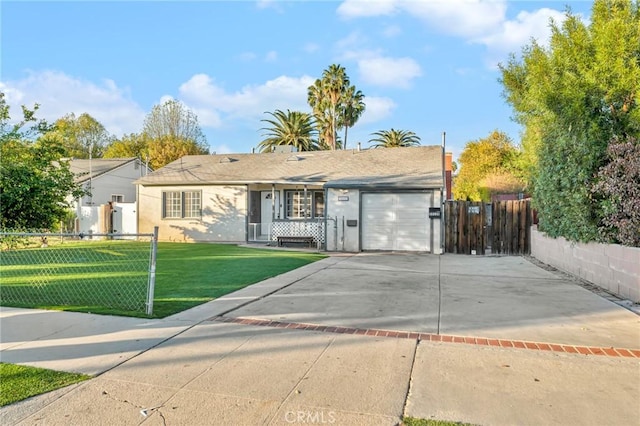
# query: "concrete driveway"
493,297
361,339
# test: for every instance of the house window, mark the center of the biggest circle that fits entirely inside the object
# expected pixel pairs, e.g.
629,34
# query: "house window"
192,204
318,204
300,207
117,198
181,204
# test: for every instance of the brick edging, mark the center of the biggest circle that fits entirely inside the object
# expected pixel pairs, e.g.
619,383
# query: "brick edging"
430,337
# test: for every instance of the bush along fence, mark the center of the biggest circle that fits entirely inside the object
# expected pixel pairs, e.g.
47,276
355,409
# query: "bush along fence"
102,273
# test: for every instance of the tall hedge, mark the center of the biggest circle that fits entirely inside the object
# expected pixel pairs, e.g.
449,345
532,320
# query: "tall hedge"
573,97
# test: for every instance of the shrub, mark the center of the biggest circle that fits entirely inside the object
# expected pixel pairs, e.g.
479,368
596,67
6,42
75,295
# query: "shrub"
618,187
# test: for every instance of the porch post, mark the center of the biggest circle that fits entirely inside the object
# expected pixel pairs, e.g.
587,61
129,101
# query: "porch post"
273,201
305,202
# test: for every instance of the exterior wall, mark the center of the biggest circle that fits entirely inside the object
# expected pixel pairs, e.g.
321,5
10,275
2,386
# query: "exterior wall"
339,236
224,213
610,266
117,181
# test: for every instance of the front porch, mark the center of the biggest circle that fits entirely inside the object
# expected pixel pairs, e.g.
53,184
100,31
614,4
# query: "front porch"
269,232
286,211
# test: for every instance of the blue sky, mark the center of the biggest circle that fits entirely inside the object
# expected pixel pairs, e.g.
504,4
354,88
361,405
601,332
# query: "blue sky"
424,66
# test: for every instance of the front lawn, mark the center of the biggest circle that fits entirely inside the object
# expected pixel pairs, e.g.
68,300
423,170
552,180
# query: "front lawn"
18,382
88,276
191,274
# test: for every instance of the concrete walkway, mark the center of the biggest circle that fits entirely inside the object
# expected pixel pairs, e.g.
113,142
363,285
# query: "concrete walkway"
359,339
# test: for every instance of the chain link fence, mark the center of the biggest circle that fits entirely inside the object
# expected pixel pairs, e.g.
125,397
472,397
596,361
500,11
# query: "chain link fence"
105,273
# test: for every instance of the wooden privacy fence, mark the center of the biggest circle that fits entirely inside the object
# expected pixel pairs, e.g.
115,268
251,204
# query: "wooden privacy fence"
503,227
511,227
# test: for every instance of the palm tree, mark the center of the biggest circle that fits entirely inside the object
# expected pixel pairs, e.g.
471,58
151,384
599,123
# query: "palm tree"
325,96
293,128
352,108
394,138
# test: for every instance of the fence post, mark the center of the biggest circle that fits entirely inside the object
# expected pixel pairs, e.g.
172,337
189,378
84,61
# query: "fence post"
152,271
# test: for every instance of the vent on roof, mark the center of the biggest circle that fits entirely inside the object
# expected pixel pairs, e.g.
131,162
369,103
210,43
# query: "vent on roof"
284,148
295,158
227,160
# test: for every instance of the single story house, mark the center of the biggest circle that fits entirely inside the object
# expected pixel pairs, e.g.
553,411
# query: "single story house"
347,200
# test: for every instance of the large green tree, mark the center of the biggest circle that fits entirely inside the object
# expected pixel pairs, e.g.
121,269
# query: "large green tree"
131,145
572,98
82,136
488,166
293,128
335,103
35,183
172,131
394,138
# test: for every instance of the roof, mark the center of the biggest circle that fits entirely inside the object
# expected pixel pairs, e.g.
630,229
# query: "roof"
83,169
419,167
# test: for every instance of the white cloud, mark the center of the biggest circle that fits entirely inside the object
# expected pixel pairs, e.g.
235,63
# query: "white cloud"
389,72
270,4
374,67
392,31
60,94
247,56
460,17
477,21
512,34
363,8
378,108
271,56
311,47
464,18
353,41
214,105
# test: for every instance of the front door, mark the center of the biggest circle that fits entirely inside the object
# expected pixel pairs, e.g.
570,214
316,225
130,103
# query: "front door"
267,208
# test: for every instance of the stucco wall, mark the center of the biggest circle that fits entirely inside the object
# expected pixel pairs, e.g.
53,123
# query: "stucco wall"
339,236
610,266
224,210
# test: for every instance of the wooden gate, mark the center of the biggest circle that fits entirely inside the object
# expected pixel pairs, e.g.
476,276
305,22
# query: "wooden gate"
511,227
465,227
503,227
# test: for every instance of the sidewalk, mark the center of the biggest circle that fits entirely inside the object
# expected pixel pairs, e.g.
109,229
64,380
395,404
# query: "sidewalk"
197,367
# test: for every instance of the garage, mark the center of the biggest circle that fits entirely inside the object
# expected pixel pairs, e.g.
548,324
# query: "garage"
396,221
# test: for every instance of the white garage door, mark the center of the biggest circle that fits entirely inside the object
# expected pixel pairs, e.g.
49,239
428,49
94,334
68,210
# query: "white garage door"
396,221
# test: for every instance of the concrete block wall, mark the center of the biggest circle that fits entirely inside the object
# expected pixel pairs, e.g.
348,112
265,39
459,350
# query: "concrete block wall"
610,266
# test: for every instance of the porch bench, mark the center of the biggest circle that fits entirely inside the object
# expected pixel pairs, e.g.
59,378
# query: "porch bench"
295,239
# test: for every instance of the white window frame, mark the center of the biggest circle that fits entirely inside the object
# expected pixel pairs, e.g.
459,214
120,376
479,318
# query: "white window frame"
297,207
181,204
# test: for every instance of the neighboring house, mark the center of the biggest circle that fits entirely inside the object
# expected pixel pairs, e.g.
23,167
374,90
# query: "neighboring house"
107,180
375,199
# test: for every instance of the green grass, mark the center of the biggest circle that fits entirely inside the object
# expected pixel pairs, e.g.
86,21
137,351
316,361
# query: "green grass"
191,274
18,382
410,421
74,274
